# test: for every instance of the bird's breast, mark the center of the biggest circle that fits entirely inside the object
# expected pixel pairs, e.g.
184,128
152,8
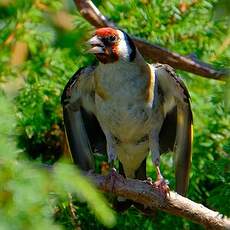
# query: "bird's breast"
121,104
126,121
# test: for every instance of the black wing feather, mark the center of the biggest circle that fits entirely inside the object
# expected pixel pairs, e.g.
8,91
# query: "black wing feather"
83,132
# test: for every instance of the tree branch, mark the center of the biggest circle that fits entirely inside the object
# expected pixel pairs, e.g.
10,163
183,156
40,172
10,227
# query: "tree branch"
152,52
143,193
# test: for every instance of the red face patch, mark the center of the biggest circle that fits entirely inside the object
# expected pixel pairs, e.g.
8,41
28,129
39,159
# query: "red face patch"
106,31
109,37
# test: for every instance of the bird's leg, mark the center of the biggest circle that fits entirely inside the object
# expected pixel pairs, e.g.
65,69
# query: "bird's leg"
111,152
160,182
112,156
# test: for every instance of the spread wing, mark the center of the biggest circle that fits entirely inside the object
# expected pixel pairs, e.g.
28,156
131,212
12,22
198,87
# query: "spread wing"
82,129
176,132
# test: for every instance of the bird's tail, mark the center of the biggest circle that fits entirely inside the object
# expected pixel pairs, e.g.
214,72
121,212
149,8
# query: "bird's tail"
183,148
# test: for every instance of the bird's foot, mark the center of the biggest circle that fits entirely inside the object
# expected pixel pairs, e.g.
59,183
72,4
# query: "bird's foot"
161,184
163,187
111,178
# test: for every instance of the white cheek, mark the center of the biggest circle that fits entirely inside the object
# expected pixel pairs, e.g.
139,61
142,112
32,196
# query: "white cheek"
123,47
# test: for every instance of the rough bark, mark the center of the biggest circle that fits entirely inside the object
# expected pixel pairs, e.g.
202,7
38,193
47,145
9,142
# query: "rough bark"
175,204
150,51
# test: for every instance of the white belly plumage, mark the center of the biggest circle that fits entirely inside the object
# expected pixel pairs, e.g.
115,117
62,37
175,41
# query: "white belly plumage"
130,124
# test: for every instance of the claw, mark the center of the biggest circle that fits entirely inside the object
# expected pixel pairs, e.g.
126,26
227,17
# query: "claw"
163,187
112,177
161,184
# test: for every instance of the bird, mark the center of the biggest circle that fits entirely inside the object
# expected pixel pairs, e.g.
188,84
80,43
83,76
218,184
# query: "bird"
127,108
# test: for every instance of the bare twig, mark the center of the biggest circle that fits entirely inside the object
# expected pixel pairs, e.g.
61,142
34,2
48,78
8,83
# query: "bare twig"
143,193
152,52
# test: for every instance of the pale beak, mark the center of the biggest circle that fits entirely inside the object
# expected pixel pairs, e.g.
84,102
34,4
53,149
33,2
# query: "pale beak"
97,45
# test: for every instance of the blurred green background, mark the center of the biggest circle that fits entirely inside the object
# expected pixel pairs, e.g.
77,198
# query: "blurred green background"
42,43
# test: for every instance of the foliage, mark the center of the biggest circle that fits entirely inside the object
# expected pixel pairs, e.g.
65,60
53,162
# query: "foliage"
29,193
42,45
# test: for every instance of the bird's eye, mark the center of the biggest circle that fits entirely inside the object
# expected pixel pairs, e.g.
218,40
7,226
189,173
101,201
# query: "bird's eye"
112,38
